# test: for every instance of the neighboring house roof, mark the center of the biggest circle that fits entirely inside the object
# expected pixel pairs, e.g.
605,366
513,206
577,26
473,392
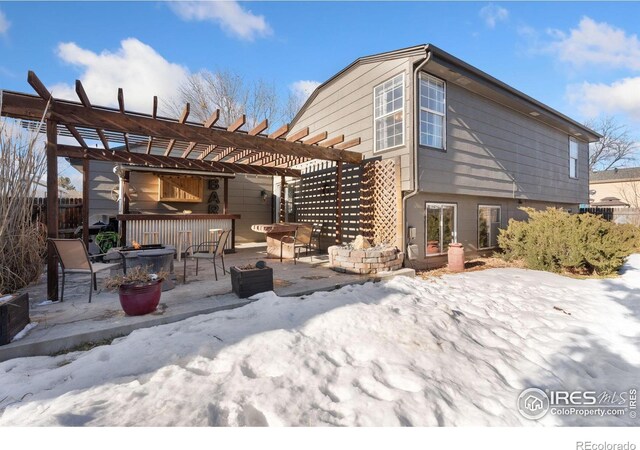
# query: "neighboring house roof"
448,59
610,202
613,175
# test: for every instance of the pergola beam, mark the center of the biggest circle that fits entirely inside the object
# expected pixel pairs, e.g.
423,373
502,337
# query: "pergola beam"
72,113
238,123
259,128
183,119
279,132
207,124
43,92
298,135
161,161
153,114
315,139
84,99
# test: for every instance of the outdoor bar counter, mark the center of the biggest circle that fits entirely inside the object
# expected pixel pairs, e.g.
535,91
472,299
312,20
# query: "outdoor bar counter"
168,225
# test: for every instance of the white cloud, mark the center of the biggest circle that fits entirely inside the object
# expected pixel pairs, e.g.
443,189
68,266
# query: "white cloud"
304,88
492,14
594,99
135,67
4,23
228,14
596,43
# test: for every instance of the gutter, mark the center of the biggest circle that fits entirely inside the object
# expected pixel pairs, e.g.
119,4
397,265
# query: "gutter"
415,127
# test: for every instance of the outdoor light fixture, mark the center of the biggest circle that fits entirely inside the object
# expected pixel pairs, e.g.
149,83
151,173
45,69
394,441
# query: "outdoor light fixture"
263,195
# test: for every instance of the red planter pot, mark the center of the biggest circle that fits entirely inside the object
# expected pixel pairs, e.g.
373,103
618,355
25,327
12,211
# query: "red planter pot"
137,300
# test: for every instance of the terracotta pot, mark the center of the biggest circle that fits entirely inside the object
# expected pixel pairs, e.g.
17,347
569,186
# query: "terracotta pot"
433,247
137,300
456,257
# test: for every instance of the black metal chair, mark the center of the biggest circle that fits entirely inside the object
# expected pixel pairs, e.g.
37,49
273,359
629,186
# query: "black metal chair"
301,239
74,258
210,250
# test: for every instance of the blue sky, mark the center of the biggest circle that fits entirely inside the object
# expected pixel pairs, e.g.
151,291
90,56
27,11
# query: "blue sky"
534,46
582,58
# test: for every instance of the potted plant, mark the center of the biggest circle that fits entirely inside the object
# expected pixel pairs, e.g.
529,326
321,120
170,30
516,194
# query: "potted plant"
251,279
138,289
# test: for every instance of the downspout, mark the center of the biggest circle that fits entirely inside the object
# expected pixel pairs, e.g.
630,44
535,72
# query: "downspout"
416,187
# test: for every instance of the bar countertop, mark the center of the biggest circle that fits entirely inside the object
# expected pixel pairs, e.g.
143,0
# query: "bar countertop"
177,216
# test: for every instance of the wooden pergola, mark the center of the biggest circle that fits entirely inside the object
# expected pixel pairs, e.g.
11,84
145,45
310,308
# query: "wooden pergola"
151,141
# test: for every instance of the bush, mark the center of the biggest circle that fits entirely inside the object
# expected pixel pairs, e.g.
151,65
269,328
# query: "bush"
22,240
556,241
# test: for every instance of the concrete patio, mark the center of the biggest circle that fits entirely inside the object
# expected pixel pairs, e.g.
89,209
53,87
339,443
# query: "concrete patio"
61,326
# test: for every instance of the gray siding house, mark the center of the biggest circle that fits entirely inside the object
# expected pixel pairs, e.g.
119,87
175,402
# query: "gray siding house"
471,149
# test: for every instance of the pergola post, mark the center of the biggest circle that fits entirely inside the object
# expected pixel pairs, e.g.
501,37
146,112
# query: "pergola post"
225,195
85,201
126,176
339,203
52,208
282,201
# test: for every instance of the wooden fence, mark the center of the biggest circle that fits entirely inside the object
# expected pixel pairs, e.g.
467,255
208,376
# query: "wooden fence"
370,200
314,200
69,213
605,213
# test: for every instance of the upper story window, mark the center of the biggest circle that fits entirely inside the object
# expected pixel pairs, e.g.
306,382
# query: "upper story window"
432,111
388,106
573,158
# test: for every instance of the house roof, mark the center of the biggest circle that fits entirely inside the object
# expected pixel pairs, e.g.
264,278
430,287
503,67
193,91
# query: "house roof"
626,174
474,78
610,202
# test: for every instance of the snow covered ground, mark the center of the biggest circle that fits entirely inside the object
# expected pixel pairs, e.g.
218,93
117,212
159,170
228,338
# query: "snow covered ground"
450,351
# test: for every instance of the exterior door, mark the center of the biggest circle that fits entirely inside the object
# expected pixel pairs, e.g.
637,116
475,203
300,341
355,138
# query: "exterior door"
441,228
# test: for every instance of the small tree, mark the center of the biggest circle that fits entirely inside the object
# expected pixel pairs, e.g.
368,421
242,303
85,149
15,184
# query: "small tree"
66,184
616,146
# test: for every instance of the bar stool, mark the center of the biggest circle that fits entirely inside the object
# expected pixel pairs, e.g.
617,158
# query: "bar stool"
155,235
182,235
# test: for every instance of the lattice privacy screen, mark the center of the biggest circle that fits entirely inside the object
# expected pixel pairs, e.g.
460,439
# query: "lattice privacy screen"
380,202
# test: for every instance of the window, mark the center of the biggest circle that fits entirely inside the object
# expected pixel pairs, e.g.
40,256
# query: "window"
388,105
440,227
432,111
573,158
488,225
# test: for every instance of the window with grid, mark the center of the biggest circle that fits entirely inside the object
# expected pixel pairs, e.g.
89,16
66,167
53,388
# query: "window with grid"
573,158
388,104
432,111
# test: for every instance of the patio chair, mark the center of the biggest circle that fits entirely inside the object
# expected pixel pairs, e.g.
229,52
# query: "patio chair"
301,239
210,250
74,258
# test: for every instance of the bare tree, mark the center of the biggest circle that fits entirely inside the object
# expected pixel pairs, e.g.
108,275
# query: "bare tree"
630,193
616,146
207,91
295,101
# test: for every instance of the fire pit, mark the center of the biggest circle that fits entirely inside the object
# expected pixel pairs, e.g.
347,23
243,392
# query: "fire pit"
360,258
156,257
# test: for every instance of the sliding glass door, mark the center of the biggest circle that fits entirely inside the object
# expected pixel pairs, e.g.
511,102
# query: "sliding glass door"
440,227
